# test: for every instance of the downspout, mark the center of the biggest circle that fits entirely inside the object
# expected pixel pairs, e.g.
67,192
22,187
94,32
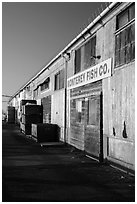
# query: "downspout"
66,57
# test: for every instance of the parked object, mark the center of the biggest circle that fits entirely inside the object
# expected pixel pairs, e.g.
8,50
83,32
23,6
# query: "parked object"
11,114
23,102
32,118
30,114
26,128
45,132
31,109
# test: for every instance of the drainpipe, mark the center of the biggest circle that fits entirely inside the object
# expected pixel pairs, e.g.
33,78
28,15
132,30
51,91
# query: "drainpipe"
66,57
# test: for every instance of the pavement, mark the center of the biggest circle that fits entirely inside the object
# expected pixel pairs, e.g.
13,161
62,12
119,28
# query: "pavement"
57,173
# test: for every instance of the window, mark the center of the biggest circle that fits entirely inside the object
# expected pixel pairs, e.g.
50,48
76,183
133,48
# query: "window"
90,51
45,84
78,107
77,61
125,37
59,80
126,16
88,54
93,112
78,110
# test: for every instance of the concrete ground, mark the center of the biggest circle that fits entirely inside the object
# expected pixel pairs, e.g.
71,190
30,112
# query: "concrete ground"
31,173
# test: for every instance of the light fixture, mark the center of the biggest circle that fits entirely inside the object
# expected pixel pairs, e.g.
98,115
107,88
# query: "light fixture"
96,57
66,54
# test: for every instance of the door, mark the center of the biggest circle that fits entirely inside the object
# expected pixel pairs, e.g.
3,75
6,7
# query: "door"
93,127
46,103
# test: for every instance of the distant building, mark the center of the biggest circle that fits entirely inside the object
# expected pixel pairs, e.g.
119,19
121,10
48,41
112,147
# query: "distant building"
88,89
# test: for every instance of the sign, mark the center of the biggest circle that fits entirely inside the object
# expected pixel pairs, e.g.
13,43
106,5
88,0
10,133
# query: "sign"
98,72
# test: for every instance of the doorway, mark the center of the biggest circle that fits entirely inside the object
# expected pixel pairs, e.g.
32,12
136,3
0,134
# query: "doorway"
93,137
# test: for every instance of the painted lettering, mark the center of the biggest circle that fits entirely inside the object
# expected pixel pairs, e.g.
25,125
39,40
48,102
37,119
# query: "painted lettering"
77,80
93,73
100,71
103,69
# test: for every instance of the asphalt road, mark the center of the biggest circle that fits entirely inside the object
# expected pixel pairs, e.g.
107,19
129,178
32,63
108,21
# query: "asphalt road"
57,173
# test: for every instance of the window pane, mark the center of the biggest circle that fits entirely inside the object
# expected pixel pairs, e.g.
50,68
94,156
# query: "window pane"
122,56
77,61
133,32
92,112
78,110
122,39
57,81
133,51
117,58
93,50
79,106
61,79
132,12
122,19
130,35
117,42
87,58
128,53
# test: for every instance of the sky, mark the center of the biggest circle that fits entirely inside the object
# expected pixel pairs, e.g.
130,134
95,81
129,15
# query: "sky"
35,32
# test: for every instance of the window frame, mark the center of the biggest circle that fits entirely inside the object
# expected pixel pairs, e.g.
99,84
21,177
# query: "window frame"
92,51
76,62
59,78
45,85
96,101
79,106
92,45
120,14
129,45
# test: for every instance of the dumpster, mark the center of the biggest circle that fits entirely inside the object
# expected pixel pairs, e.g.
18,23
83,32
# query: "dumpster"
11,114
31,114
45,132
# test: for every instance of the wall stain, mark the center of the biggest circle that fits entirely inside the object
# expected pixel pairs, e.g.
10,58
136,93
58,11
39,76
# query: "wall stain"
124,133
114,132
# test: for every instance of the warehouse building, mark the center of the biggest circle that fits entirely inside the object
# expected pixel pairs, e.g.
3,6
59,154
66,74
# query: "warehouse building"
88,89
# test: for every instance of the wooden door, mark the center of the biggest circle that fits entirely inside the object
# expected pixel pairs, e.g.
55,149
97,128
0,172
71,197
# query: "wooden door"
93,127
46,103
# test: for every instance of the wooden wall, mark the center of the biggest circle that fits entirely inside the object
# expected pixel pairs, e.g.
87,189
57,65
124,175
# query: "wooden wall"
119,114
57,110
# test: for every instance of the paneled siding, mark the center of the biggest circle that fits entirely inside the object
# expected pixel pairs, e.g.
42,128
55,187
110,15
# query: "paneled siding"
119,114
